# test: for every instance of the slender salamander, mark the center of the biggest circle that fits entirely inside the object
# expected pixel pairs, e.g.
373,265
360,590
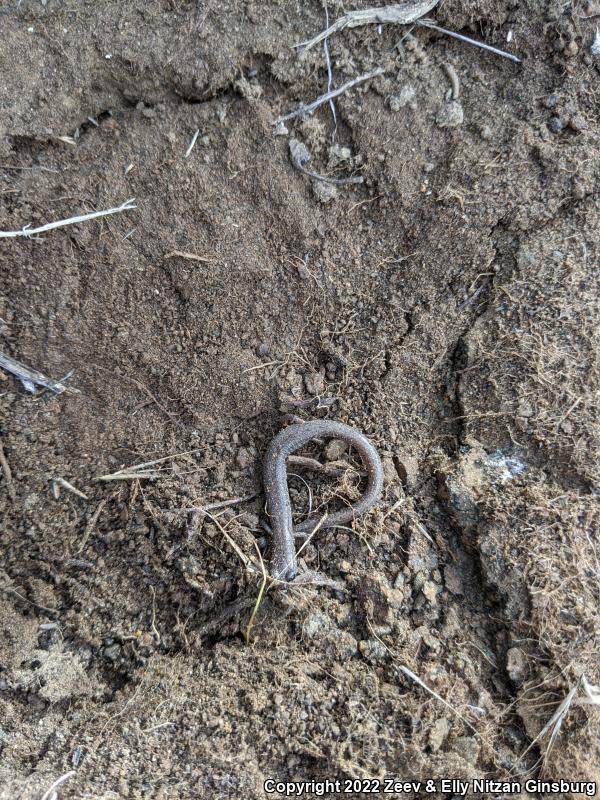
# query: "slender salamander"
284,565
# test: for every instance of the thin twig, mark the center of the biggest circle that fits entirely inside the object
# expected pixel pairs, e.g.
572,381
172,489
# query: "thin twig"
423,685
329,77
51,792
91,525
248,562
129,476
313,532
335,181
191,144
324,98
70,488
428,24
140,471
28,231
188,256
220,504
7,474
14,592
325,469
31,377
437,696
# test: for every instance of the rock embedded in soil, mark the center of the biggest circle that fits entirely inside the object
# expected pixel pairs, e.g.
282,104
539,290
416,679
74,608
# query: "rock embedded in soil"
450,115
516,665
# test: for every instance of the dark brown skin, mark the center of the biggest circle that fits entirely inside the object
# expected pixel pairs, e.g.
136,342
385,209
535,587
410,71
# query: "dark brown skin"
284,565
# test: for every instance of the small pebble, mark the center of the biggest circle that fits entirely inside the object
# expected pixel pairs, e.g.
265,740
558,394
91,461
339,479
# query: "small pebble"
571,49
450,115
552,100
335,449
577,123
263,350
555,124
243,458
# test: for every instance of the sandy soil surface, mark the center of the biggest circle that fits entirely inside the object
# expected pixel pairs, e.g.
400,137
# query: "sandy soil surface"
446,306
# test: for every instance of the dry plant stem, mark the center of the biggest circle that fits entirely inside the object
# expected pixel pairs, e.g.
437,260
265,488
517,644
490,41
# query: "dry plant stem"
191,144
70,488
248,562
30,378
335,181
7,474
324,98
28,231
129,473
128,476
326,469
219,504
399,14
259,598
91,525
189,256
428,24
554,724
51,792
319,525
330,77
423,685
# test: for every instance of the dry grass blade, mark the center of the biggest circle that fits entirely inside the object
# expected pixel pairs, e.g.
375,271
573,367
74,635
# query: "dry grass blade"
398,14
313,532
591,694
448,705
553,726
30,378
138,471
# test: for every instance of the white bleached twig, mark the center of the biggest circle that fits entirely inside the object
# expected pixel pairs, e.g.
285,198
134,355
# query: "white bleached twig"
426,23
29,232
192,143
48,795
